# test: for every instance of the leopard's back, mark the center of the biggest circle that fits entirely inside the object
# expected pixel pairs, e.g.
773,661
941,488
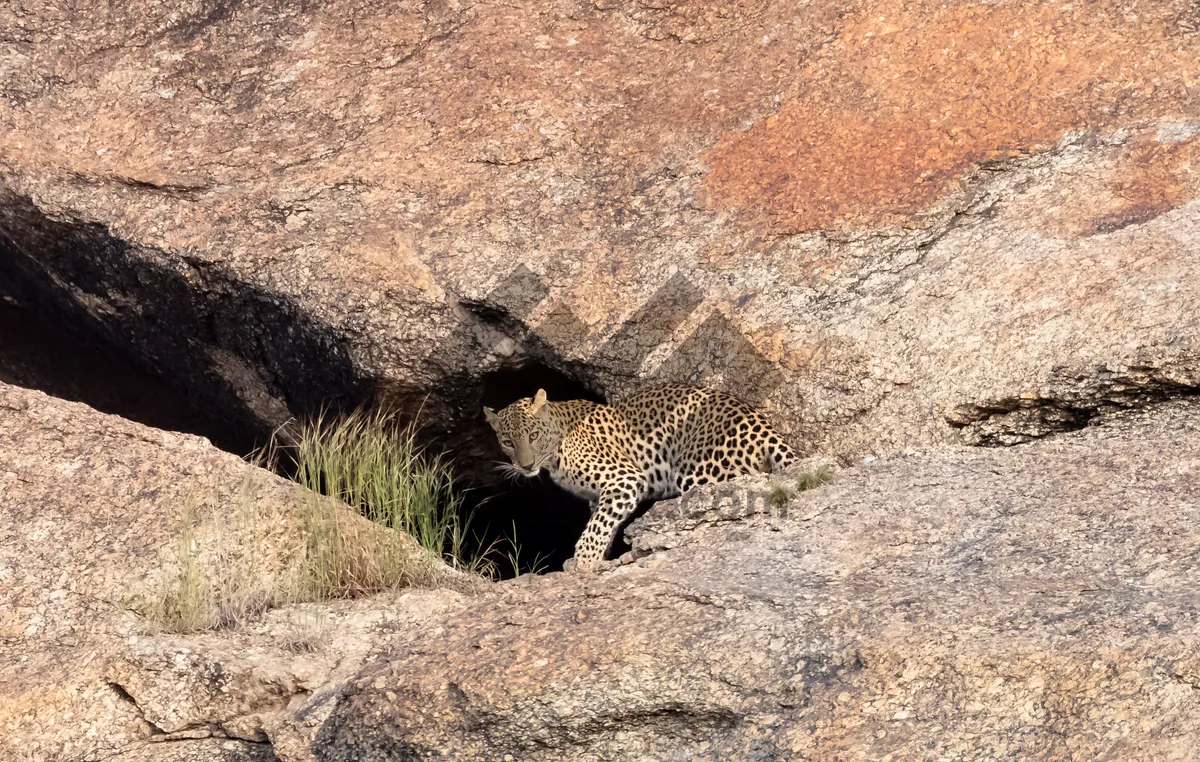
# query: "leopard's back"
685,436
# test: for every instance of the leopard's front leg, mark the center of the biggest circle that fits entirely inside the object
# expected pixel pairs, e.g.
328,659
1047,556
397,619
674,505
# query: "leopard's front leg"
618,499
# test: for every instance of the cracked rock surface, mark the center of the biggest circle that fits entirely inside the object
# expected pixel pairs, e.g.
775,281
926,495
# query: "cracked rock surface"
1030,602
1034,602
898,226
887,221
91,510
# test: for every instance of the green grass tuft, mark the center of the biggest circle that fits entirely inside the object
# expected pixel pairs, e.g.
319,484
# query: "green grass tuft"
781,493
372,462
813,479
307,548
537,565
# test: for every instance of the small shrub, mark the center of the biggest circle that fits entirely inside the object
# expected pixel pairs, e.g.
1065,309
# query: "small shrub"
813,479
781,493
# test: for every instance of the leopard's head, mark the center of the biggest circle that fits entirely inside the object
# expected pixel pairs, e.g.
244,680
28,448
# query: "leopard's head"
527,432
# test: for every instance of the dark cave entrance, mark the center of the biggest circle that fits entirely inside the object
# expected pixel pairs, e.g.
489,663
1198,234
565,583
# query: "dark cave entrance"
177,344
42,350
147,355
61,355
544,519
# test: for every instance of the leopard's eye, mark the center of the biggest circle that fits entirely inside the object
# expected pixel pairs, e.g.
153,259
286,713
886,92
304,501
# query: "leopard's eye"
506,442
533,436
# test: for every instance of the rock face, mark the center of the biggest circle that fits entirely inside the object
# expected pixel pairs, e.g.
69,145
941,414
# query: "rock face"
1026,603
899,226
91,514
1009,603
888,221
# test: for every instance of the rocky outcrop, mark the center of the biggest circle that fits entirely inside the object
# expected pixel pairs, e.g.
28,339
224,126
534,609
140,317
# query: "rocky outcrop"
1027,603
199,751
93,511
1024,602
897,226
890,221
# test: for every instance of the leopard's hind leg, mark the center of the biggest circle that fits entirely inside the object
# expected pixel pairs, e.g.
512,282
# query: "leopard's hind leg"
780,455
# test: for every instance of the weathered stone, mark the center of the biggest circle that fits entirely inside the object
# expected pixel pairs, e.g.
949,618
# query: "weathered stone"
897,225
91,512
1034,602
875,216
211,750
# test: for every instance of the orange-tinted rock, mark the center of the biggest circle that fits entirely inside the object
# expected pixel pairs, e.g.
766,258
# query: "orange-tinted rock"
318,199
912,97
278,204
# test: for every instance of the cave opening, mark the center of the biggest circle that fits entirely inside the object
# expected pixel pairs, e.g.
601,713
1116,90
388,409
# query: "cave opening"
537,516
186,346
42,348
177,343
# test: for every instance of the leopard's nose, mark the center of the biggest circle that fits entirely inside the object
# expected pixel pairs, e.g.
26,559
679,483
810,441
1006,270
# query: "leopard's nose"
527,466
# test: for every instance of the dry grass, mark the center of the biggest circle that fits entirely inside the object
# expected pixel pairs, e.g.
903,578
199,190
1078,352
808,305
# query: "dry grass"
347,558
283,545
187,606
307,633
221,576
272,555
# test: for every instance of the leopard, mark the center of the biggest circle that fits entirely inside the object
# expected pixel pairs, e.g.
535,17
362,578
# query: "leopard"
653,444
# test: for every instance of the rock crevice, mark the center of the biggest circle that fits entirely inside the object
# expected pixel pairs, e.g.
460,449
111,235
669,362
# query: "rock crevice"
959,602
1073,400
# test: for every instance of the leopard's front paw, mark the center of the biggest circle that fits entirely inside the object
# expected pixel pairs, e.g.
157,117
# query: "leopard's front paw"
586,564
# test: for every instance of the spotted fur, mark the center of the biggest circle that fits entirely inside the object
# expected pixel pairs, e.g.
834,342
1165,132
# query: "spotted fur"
656,443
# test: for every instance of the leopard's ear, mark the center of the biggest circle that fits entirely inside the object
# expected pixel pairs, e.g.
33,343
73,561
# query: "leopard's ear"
491,416
538,400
